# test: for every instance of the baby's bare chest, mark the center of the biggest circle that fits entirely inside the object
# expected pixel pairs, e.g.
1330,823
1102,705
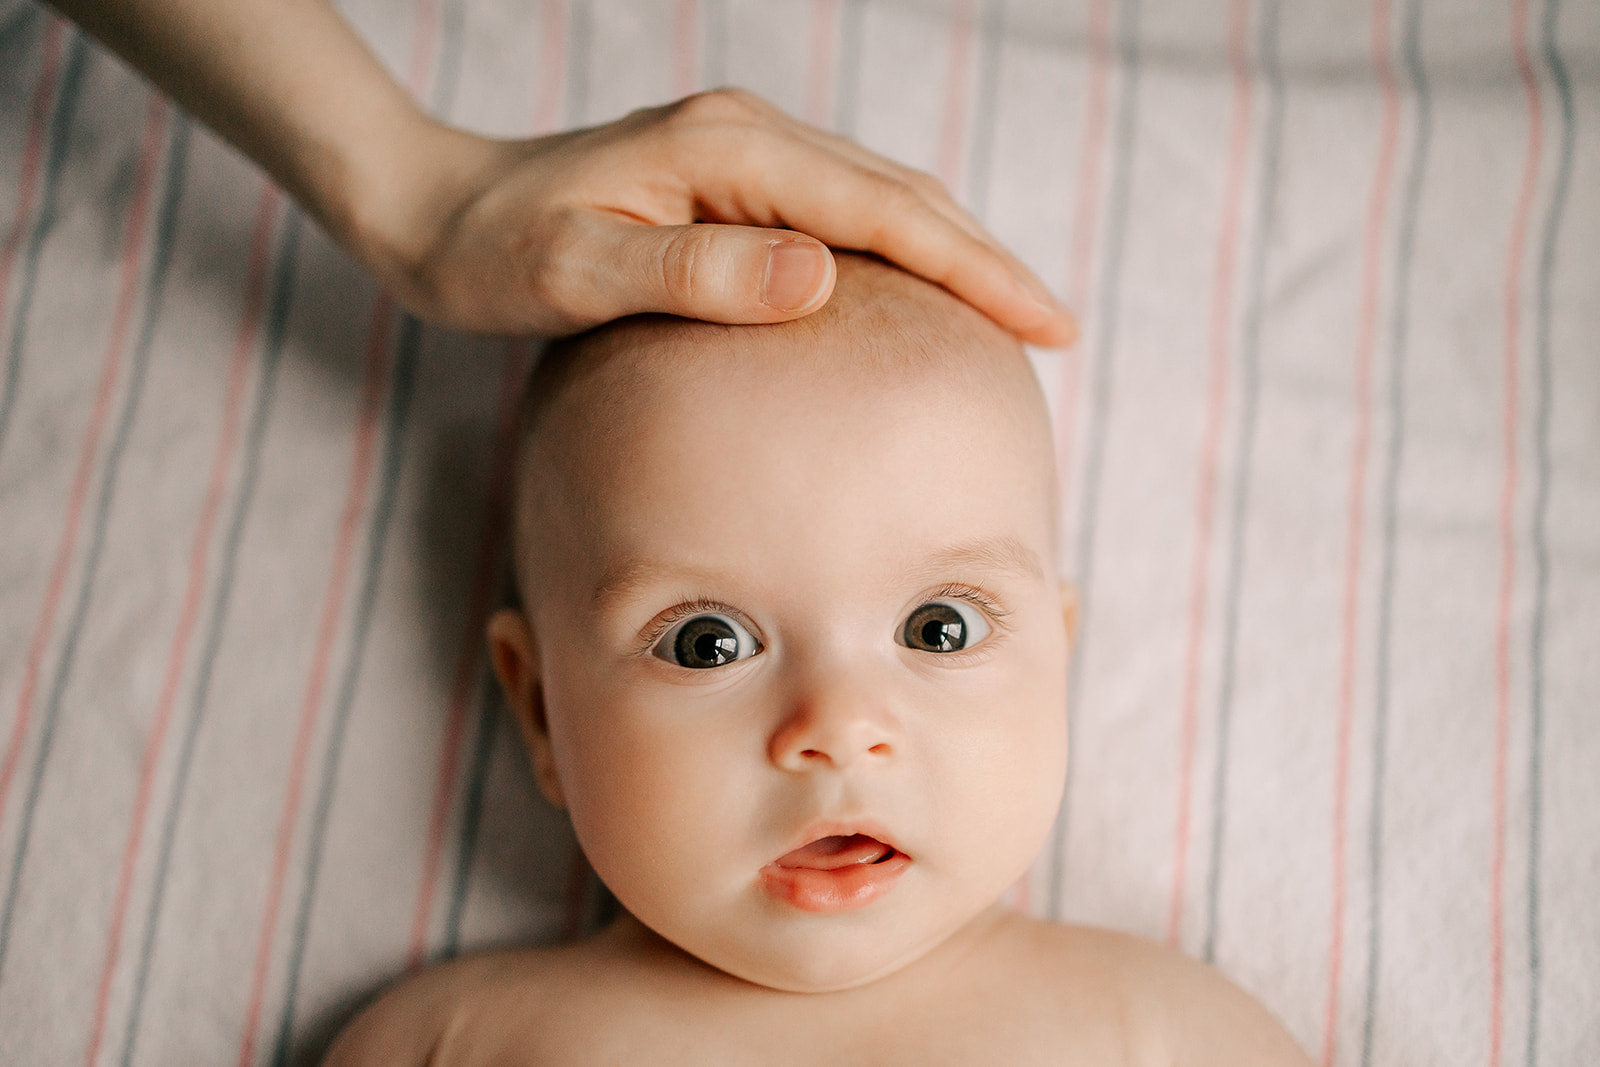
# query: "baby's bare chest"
980,1031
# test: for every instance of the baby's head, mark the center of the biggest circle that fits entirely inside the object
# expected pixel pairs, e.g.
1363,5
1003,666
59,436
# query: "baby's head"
792,649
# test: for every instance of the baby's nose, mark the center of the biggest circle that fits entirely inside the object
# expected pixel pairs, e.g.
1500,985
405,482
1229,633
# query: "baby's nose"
832,730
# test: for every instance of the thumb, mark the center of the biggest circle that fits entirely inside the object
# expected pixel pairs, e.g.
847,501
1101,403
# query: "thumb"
733,274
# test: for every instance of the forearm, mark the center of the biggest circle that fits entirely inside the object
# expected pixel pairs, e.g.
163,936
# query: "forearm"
293,87
559,233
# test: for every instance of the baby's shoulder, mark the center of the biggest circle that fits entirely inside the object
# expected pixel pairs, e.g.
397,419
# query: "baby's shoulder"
501,1007
1174,1008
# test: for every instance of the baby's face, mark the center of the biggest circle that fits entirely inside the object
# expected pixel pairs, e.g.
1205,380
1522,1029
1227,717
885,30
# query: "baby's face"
795,652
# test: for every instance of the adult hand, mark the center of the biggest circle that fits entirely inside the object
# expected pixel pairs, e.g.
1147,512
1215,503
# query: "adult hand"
716,207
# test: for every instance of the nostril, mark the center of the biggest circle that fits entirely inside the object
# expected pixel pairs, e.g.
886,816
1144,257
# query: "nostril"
879,749
809,753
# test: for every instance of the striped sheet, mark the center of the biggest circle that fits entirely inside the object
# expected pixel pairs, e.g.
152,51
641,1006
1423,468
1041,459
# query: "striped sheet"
1330,459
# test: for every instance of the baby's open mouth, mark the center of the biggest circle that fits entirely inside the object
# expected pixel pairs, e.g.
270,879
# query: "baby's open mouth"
835,852
840,872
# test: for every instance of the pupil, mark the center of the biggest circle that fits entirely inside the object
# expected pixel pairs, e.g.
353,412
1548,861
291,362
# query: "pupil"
706,646
933,634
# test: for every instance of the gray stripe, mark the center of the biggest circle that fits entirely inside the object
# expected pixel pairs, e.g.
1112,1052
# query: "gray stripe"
25,20
714,39
1541,514
447,57
54,164
847,102
408,348
1416,75
395,419
1249,397
980,159
280,300
99,524
490,713
490,707
580,53
1106,310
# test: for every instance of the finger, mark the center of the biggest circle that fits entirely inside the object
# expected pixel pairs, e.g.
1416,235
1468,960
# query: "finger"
837,150
701,125
931,188
937,196
732,274
850,206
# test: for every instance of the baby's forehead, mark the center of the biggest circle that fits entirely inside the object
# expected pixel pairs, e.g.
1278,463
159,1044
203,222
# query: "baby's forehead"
882,331
866,372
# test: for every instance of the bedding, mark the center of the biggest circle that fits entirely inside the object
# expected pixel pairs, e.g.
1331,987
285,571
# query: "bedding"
1330,471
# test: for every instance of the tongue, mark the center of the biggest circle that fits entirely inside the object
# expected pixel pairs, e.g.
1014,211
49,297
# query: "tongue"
832,853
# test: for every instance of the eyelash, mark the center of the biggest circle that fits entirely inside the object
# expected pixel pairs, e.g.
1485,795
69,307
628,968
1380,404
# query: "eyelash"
701,606
973,595
687,610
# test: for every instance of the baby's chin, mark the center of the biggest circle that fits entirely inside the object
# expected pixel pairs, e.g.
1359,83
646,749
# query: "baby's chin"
822,955
815,972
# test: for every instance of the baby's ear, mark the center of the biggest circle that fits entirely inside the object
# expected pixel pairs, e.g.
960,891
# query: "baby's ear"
1069,612
516,663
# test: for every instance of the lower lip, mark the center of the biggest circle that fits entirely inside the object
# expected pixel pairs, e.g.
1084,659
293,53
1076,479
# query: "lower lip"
827,892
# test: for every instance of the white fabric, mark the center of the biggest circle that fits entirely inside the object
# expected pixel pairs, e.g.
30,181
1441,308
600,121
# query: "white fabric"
1332,471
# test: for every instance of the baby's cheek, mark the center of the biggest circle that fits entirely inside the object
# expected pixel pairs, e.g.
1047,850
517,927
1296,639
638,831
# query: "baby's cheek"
636,803
1019,758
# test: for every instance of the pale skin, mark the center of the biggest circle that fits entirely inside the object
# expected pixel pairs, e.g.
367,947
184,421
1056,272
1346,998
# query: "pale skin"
823,488
717,207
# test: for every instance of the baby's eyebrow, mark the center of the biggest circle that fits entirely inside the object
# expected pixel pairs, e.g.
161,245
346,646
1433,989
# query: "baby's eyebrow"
1006,554
623,579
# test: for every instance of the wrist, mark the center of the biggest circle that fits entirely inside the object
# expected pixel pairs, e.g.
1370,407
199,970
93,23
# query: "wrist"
373,182
396,194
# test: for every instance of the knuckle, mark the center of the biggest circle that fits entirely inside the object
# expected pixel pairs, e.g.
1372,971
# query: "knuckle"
926,184
718,107
899,195
683,265
555,267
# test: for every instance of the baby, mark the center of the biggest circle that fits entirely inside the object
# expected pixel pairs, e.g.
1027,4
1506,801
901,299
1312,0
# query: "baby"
792,653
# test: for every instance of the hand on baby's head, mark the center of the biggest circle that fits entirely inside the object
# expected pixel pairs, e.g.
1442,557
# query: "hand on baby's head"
793,650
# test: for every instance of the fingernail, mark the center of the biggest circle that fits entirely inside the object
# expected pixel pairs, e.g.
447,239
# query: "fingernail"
796,273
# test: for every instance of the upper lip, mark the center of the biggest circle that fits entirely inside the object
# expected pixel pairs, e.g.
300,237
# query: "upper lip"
842,828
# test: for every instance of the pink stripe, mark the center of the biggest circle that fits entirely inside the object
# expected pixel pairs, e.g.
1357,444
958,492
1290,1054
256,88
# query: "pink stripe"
953,134
32,156
1091,155
686,49
553,74
424,37
244,345
1091,162
502,461
824,34
1366,344
111,368
1508,496
375,375
489,553
1211,446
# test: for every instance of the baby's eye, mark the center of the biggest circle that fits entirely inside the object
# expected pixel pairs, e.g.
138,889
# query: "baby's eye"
944,626
706,641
